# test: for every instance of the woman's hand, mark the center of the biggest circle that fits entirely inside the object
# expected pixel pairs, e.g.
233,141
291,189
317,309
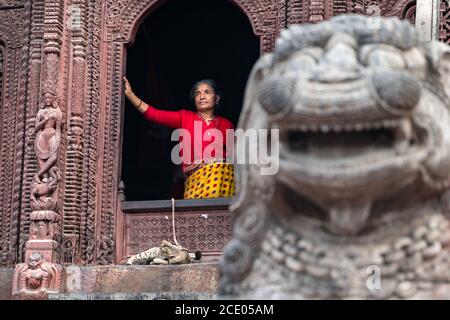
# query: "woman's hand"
128,90
138,103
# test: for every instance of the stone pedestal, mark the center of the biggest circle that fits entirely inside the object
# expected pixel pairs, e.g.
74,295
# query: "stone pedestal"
45,247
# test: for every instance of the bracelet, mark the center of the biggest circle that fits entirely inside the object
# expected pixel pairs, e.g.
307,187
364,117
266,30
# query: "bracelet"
139,105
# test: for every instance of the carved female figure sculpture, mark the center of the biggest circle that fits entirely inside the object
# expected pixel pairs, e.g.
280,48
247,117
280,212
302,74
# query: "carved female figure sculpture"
44,218
48,137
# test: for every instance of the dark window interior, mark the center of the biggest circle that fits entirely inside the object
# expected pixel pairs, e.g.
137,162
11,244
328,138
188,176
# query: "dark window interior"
178,44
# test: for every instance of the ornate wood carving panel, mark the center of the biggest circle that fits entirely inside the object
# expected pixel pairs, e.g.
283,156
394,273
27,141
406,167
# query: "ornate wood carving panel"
14,39
110,156
74,178
444,27
89,178
313,11
30,166
12,3
207,231
123,18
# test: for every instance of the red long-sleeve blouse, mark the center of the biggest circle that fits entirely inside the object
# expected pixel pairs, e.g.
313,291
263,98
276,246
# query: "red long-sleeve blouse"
191,121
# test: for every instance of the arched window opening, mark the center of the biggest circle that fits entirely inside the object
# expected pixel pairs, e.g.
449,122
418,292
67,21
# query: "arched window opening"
178,44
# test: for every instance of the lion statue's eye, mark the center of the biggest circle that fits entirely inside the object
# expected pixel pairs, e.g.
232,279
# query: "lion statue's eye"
382,56
304,62
276,94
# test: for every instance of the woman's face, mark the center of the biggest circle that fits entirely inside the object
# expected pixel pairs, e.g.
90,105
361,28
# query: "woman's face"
205,97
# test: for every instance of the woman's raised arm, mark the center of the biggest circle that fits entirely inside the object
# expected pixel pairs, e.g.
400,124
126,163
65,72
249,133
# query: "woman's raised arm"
135,101
171,119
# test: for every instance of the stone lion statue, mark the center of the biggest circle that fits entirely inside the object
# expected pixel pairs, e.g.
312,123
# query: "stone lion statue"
359,206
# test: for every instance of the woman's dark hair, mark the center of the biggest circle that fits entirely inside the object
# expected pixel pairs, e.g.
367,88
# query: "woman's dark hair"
210,83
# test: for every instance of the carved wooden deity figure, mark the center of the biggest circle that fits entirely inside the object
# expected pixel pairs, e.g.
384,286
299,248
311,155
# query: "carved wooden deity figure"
48,137
36,278
44,218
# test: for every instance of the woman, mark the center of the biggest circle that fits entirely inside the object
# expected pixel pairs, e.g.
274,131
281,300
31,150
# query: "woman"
207,176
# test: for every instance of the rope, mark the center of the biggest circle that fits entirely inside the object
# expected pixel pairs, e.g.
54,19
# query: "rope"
173,223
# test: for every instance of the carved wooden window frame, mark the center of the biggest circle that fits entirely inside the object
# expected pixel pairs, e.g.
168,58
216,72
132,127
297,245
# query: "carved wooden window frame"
409,11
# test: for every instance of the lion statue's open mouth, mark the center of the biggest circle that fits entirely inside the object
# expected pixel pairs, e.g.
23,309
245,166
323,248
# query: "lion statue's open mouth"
364,151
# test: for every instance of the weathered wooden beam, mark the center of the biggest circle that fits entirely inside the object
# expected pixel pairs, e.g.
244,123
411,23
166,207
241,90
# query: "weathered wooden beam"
180,205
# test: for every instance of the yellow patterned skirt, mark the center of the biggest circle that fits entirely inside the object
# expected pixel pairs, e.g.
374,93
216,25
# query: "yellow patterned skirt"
214,180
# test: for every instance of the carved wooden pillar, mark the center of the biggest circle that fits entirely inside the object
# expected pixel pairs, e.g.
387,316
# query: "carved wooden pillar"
14,43
81,177
45,218
40,274
74,153
30,161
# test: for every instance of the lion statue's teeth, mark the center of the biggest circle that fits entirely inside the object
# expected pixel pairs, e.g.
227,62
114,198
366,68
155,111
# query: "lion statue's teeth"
348,218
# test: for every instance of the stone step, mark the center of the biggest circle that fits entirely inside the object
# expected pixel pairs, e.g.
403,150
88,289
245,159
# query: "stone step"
135,296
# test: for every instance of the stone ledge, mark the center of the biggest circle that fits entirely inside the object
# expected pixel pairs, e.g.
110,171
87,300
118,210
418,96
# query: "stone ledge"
195,281
135,296
190,278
